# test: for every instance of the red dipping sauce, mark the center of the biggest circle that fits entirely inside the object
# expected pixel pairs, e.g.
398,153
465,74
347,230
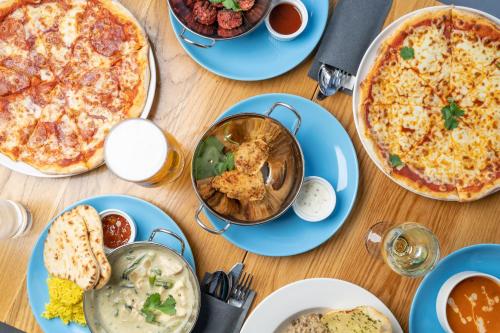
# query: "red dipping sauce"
116,230
285,19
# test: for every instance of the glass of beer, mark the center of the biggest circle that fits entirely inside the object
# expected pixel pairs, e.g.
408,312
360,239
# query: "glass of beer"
137,150
410,249
15,219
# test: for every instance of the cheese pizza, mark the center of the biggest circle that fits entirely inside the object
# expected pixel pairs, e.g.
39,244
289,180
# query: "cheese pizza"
429,108
69,71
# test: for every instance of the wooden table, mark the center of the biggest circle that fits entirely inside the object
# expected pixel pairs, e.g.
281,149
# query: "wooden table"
188,100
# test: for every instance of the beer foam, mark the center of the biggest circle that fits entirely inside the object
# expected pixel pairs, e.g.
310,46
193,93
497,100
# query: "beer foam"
135,149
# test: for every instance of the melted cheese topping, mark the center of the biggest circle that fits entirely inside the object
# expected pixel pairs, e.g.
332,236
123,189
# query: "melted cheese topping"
68,25
42,17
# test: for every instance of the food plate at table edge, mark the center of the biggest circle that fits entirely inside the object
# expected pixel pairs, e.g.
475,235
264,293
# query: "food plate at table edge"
318,295
141,211
366,64
279,237
28,170
229,65
482,258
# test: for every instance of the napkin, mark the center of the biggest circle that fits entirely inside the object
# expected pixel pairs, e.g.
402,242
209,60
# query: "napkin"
217,316
4,328
353,26
489,6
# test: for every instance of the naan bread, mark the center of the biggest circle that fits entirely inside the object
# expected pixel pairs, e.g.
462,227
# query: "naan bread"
361,319
94,228
67,252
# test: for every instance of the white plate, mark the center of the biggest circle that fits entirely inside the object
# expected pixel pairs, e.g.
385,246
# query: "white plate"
31,171
367,63
306,296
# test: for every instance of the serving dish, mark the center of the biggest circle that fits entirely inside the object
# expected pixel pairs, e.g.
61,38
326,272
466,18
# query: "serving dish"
90,299
328,153
184,15
28,170
258,56
481,258
286,154
310,295
365,66
141,211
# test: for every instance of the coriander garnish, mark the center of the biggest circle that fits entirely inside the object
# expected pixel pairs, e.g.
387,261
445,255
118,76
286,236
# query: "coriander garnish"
153,303
451,113
228,4
395,161
407,53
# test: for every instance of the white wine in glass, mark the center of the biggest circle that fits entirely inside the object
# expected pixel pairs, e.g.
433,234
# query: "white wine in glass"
409,249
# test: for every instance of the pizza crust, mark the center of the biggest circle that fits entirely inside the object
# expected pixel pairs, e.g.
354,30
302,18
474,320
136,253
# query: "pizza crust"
96,159
423,190
487,189
140,99
487,27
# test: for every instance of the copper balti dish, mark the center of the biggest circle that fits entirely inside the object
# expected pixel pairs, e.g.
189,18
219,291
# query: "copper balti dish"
279,174
190,19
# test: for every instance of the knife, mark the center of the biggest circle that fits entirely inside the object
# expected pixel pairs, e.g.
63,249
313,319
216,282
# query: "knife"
234,275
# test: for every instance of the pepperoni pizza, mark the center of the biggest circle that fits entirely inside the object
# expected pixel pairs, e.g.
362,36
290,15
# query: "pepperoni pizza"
430,106
69,71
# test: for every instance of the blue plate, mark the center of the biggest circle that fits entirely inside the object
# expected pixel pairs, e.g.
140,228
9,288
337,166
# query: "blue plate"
483,258
147,217
258,56
328,153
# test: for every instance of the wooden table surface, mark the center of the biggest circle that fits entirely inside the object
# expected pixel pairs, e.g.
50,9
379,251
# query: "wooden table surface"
188,100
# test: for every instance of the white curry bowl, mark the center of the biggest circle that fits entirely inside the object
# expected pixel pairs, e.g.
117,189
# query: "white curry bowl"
91,307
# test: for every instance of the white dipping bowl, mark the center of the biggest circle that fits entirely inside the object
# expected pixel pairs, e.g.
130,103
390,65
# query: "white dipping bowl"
328,202
445,291
303,15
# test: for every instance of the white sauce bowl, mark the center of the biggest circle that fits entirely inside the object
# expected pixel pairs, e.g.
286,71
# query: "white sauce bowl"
445,291
316,200
304,16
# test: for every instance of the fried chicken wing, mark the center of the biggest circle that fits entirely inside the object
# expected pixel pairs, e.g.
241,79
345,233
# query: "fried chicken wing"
240,186
251,156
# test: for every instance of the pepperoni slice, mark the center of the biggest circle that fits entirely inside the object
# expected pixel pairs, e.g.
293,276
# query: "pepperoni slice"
42,132
13,30
12,82
20,64
107,36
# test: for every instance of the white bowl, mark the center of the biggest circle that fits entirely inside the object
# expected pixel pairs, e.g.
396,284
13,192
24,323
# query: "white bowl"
303,15
133,226
444,293
332,201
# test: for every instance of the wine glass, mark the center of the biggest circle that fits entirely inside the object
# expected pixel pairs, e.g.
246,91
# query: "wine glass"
409,249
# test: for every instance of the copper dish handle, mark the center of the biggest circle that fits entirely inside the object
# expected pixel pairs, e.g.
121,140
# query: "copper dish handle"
189,41
212,231
297,123
168,232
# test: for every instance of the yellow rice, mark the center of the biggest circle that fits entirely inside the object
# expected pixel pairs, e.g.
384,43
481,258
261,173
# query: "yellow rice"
65,301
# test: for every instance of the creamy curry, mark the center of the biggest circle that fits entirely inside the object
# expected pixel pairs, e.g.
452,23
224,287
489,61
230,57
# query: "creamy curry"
151,291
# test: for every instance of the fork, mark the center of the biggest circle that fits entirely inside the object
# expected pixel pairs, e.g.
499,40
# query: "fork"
330,81
239,293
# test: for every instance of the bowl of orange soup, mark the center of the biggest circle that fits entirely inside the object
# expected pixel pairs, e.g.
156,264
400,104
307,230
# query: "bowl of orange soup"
469,302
